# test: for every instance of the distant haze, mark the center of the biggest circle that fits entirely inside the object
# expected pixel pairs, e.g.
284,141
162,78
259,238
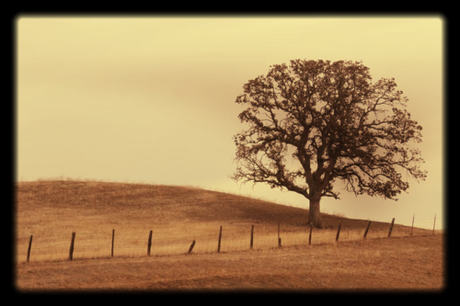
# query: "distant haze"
151,99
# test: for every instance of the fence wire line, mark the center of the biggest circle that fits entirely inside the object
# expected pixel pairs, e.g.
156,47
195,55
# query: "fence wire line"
134,242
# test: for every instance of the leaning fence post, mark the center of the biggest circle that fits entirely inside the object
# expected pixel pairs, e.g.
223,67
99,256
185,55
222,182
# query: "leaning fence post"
30,246
220,237
338,232
367,229
391,227
149,244
72,246
191,247
309,237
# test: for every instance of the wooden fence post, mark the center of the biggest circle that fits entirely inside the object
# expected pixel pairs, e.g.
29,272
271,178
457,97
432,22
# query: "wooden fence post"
191,247
338,232
391,227
279,238
309,237
113,241
72,246
367,229
30,246
220,237
149,243
252,236
412,228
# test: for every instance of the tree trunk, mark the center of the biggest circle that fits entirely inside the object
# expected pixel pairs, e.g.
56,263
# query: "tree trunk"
314,216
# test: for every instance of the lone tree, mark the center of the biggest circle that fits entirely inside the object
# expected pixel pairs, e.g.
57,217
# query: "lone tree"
314,122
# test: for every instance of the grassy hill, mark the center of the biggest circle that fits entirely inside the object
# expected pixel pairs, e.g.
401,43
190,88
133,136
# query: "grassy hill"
160,204
52,210
157,204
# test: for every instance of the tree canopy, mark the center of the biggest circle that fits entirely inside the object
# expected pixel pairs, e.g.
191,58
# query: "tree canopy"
313,123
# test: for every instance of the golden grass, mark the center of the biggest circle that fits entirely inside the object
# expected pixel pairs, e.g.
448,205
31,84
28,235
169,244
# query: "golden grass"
401,263
52,210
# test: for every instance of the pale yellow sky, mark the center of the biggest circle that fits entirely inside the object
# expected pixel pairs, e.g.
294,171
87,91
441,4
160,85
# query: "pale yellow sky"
151,99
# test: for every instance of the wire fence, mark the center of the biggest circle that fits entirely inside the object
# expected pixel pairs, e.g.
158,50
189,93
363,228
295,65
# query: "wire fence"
426,223
135,242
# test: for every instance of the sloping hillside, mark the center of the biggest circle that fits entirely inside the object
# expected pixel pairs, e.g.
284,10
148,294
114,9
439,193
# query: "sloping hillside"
51,211
71,201
160,204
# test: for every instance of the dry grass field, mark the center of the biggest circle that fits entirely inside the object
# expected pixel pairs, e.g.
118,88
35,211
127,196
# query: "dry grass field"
52,210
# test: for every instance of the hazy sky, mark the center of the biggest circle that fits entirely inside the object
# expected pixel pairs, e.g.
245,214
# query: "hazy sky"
151,99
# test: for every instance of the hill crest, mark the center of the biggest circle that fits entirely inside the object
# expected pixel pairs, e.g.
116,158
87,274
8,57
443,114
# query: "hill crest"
161,204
